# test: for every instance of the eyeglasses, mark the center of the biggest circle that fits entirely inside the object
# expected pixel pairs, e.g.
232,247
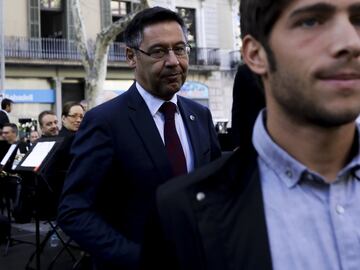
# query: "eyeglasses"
74,116
160,52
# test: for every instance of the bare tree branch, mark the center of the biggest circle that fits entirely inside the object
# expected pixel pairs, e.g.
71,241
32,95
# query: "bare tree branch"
80,35
95,59
108,34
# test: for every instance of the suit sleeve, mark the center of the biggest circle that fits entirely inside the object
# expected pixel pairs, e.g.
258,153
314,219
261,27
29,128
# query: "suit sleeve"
77,214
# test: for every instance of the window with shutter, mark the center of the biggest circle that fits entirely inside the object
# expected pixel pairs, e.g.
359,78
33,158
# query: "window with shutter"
70,31
105,13
34,18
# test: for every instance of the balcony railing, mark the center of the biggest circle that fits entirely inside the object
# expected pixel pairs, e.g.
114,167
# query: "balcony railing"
204,56
66,50
235,58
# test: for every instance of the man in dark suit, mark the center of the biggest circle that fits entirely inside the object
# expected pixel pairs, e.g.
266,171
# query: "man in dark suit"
48,124
291,199
119,153
6,107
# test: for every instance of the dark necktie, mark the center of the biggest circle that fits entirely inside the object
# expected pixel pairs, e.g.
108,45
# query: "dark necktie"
172,142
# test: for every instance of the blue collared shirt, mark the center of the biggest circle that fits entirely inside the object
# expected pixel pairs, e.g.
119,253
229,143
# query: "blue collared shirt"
311,225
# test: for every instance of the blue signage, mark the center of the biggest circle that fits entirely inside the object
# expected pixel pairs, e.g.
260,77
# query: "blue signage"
30,95
192,89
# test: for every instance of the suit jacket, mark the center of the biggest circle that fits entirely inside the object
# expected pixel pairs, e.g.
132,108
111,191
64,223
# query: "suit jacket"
212,219
119,161
3,119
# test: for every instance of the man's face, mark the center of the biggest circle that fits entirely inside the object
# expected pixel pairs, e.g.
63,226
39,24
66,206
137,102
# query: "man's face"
316,45
9,108
161,77
49,125
9,135
34,135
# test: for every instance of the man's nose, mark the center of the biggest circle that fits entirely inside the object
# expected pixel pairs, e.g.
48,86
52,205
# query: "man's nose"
171,58
346,40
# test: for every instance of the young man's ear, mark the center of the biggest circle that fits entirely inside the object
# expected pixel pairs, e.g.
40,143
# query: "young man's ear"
254,55
130,57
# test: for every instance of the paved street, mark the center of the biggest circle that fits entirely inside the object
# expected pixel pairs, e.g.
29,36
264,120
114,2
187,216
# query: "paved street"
19,253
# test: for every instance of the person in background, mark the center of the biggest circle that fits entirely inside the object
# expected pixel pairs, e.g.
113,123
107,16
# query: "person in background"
248,100
34,135
10,133
48,122
127,147
71,117
6,107
291,199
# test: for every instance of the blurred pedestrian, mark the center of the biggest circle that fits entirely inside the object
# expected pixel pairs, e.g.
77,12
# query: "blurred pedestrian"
71,117
6,107
48,124
248,100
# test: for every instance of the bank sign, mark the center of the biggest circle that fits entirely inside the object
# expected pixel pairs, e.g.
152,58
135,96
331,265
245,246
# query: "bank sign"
30,95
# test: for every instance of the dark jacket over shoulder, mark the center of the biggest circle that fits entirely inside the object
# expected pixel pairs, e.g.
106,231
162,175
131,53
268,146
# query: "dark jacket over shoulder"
4,119
119,161
212,219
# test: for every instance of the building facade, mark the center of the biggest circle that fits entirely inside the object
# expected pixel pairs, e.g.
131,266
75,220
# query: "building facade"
43,68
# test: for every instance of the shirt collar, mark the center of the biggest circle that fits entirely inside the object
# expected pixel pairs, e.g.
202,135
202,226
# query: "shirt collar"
153,103
5,112
285,166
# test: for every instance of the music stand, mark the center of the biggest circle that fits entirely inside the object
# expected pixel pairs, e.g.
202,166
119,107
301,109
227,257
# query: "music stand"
9,156
37,157
6,163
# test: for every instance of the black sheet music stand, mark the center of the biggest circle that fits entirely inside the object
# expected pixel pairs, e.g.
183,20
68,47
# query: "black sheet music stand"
32,162
11,192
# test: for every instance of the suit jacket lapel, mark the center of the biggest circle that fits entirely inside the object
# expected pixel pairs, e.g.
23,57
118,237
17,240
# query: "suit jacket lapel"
191,123
148,132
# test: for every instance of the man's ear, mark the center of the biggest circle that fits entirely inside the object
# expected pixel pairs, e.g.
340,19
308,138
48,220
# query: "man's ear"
130,57
254,55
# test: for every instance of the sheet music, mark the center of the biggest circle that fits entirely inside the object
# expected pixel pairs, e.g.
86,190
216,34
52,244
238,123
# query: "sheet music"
38,154
8,154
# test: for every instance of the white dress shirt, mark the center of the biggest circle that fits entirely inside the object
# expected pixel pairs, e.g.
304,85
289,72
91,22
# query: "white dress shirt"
154,104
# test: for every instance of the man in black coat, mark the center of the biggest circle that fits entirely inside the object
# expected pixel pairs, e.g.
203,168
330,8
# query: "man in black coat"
290,199
6,107
248,100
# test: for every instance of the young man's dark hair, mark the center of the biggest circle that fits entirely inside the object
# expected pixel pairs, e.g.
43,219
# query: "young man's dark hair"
42,114
6,102
133,34
258,18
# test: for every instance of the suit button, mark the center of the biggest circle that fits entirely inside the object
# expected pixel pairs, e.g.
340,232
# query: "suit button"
200,196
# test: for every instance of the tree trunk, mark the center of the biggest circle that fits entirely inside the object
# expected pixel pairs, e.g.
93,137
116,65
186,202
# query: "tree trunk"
94,59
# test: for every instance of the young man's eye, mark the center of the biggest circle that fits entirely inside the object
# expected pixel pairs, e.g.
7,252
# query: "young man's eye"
309,22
